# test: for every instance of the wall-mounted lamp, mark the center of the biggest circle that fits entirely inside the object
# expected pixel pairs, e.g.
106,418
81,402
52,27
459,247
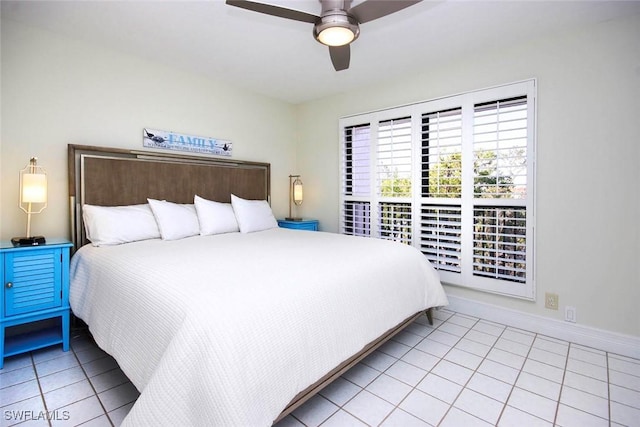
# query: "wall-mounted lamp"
33,199
295,195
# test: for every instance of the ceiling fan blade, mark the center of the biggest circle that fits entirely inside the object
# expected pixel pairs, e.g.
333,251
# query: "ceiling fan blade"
374,9
278,11
340,56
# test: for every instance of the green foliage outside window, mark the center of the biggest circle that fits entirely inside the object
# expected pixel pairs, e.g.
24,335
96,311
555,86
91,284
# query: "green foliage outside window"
395,186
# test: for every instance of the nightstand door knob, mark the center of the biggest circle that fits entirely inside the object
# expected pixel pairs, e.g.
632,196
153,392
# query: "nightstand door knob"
9,285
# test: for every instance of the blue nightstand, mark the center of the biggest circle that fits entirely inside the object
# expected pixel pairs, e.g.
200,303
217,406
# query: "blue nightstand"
34,301
305,224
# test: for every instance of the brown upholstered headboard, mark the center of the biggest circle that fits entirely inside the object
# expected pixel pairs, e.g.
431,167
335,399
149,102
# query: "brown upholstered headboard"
116,177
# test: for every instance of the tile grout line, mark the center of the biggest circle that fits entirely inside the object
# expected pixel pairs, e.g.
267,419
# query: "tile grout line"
520,370
565,370
95,393
563,385
341,407
471,376
36,378
493,346
606,357
564,375
380,373
44,402
484,358
414,388
396,406
469,329
607,383
513,386
431,370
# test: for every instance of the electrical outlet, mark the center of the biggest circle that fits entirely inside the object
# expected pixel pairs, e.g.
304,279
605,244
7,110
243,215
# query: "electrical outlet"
551,301
570,314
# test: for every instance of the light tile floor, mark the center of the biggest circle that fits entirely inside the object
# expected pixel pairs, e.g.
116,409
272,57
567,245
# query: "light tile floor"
461,371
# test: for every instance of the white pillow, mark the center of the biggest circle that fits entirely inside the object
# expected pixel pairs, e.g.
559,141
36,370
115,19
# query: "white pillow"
253,215
113,225
175,220
215,217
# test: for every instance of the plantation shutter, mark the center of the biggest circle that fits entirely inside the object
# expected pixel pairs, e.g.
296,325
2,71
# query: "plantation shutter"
394,179
441,189
356,185
500,189
453,177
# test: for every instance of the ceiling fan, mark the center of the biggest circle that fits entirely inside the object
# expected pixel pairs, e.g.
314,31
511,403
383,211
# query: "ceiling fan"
338,24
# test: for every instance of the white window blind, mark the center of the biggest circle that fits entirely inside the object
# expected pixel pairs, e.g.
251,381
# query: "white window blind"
394,221
500,172
442,154
500,149
441,193
454,178
394,159
356,161
441,236
356,177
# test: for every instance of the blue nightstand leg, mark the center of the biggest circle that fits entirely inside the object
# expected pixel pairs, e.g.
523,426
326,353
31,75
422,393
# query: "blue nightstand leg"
65,331
1,346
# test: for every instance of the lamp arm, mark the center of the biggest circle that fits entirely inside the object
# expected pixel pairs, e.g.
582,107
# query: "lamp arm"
290,194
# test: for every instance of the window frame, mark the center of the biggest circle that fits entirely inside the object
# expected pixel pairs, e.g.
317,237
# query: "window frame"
467,102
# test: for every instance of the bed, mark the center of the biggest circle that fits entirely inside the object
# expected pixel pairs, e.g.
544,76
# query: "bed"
234,328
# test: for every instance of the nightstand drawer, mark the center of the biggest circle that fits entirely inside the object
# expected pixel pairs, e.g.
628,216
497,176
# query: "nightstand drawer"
304,224
32,281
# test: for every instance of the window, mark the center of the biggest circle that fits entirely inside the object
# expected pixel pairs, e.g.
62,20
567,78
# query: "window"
452,177
356,186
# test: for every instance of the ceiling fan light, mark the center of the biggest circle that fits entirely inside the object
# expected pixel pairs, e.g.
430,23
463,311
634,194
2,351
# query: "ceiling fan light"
336,36
336,28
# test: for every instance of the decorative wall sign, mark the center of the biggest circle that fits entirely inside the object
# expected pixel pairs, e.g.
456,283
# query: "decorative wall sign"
168,140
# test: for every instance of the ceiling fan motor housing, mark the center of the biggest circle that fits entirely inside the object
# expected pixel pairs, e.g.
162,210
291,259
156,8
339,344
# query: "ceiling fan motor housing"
338,20
335,18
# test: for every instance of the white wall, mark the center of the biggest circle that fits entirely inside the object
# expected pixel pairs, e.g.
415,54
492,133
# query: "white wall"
57,91
588,197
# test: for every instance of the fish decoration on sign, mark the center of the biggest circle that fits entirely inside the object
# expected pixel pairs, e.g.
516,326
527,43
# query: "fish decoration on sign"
168,140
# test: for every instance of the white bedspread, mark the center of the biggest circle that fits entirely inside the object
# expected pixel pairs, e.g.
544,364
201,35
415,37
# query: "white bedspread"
225,330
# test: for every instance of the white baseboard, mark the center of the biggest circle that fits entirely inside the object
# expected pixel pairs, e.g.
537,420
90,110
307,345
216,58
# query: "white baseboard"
612,342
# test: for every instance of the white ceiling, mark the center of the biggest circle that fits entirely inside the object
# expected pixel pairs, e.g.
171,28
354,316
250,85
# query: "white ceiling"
280,58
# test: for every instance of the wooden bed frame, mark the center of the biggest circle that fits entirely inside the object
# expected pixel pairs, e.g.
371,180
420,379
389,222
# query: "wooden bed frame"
116,177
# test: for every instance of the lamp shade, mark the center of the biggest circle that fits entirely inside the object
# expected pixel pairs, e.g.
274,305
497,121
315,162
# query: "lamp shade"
33,199
34,188
297,192
295,195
